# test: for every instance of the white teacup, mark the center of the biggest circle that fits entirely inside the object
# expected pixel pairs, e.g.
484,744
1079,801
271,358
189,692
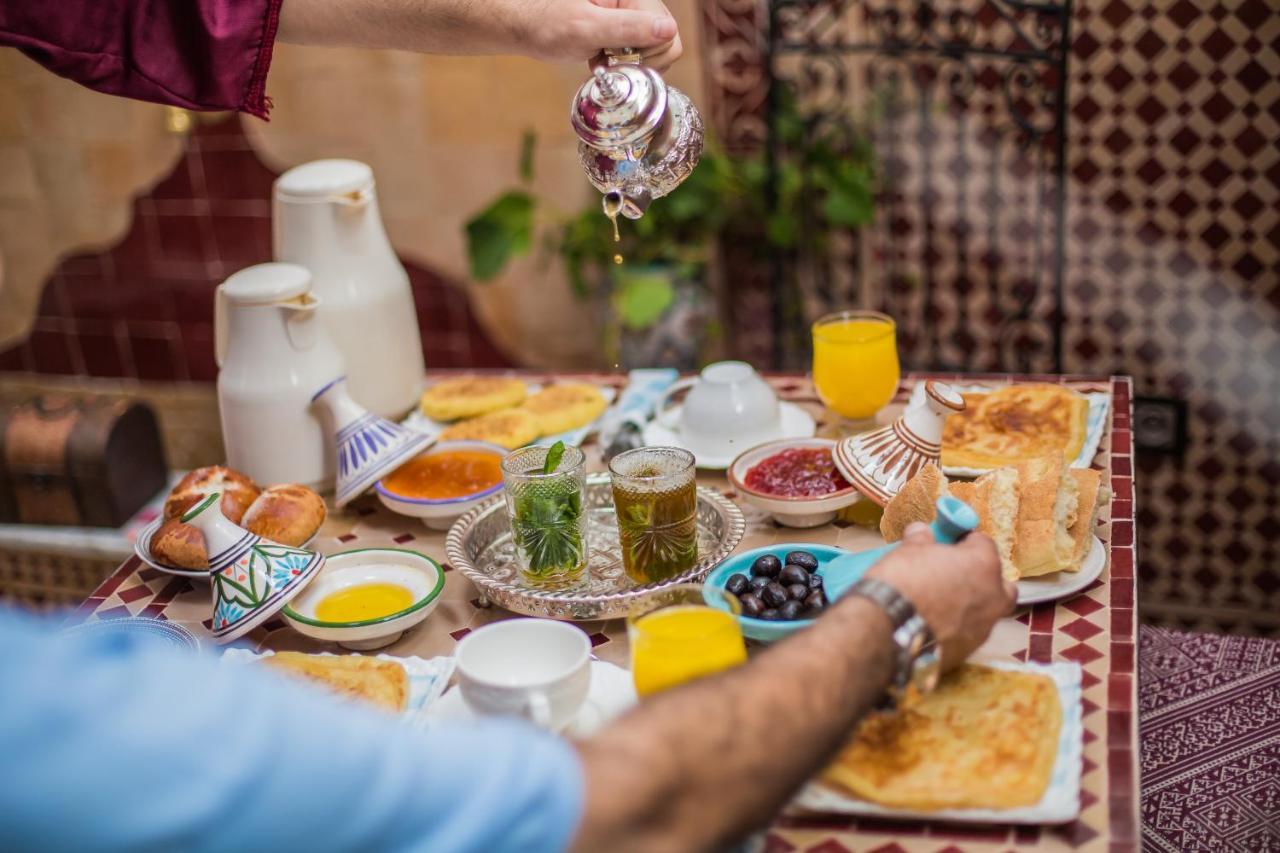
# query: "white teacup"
537,669
729,408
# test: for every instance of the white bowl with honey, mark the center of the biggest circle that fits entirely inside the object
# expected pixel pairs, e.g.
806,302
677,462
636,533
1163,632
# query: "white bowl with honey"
367,598
442,484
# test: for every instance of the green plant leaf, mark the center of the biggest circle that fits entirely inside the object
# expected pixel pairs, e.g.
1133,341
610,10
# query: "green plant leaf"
500,232
554,455
642,298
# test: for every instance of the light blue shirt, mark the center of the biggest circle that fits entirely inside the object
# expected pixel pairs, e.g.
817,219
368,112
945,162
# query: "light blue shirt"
111,744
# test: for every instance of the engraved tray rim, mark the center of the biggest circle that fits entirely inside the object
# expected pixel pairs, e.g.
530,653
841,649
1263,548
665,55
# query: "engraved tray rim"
575,605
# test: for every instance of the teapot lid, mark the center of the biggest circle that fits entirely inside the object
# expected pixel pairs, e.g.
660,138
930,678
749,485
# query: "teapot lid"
325,178
620,106
263,284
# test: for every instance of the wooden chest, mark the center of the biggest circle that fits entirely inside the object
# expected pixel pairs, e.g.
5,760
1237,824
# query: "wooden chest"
83,462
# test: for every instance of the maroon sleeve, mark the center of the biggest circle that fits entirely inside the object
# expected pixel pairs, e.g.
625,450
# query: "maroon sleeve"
196,54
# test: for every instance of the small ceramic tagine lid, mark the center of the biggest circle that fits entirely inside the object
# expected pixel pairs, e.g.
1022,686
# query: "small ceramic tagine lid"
369,447
880,462
252,578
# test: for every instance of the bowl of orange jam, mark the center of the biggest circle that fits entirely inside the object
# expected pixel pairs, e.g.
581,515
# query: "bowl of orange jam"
438,486
367,598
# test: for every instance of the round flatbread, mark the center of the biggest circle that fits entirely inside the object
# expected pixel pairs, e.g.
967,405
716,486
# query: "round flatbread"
560,408
510,428
468,396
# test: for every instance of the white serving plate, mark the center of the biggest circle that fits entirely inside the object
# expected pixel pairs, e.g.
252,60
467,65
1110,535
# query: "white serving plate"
611,694
1096,423
798,512
795,423
417,420
418,573
428,678
1061,800
1057,585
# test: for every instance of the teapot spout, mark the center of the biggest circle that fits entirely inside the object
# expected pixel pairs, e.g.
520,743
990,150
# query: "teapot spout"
630,203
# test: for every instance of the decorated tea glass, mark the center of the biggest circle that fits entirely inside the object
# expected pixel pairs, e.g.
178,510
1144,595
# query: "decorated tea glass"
677,636
548,515
855,365
655,497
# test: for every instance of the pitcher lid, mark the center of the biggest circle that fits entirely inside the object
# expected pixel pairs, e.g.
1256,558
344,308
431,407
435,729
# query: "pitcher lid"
324,178
267,283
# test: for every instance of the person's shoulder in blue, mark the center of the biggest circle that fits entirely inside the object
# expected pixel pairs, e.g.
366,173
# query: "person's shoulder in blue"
112,745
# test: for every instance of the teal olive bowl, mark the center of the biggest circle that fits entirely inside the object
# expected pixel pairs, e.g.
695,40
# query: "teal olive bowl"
761,629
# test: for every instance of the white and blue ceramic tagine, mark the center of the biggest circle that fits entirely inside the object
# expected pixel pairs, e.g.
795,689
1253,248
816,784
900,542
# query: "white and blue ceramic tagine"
253,578
369,446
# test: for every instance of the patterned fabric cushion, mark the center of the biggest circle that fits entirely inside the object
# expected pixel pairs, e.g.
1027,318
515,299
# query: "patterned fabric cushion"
1210,734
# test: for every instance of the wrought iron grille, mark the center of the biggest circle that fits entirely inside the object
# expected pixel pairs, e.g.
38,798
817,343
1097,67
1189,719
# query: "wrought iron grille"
966,106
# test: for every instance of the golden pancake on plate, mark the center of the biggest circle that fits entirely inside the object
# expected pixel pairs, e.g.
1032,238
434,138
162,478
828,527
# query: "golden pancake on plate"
984,739
509,428
380,682
468,396
1013,424
560,408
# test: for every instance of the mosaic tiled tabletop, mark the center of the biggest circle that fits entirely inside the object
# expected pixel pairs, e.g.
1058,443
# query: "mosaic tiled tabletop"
1096,628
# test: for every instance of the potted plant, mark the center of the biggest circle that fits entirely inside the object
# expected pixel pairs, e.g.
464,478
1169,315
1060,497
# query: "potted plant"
651,285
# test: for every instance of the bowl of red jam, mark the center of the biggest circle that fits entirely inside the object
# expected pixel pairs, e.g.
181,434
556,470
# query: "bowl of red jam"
795,480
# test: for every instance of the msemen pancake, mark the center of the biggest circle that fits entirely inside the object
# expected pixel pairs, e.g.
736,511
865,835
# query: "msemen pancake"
380,682
468,396
985,739
1013,424
509,428
569,405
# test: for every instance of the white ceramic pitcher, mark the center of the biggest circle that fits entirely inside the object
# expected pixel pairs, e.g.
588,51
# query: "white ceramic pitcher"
272,354
326,219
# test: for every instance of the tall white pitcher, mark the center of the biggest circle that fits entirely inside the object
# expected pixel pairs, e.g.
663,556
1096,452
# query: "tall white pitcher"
273,353
326,219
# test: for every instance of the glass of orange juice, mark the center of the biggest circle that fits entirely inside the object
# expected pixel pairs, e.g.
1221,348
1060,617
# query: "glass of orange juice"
855,364
676,636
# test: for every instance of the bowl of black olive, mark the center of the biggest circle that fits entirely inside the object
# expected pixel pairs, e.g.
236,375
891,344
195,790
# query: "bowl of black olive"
780,588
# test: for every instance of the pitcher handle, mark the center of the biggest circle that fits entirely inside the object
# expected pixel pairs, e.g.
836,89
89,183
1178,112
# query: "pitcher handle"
219,326
661,412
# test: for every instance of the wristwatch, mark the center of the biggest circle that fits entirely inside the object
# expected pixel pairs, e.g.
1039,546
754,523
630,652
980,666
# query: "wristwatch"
918,663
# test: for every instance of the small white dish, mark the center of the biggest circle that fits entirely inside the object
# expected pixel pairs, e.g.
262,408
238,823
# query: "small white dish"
1057,585
441,513
418,573
612,694
798,512
795,423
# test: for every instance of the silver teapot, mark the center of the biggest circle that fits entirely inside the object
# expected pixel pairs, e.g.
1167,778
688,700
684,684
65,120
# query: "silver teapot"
638,138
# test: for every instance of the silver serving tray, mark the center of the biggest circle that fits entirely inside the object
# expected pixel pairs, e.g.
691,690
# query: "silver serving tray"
479,545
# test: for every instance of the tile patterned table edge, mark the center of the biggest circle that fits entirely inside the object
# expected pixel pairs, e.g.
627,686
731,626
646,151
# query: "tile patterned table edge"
1097,628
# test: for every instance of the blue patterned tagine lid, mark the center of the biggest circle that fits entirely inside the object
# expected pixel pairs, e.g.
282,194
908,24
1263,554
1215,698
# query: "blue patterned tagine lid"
253,578
369,447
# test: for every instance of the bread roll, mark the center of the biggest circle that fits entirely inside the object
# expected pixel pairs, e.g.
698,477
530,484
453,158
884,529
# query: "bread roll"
180,545
238,492
916,501
286,513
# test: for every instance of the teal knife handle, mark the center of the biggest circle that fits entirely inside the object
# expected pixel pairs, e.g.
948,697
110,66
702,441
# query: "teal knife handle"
955,518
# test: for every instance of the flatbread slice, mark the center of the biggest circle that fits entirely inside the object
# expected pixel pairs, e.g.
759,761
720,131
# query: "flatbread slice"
994,497
382,683
984,739
1047,500
916,501
1092,497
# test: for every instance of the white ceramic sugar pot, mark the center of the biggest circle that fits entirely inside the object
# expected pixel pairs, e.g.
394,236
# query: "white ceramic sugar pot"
325,217
273,352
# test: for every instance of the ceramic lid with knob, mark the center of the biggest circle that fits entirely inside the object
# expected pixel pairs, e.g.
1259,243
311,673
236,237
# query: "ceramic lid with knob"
879,463
264,284
621,106
321,180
